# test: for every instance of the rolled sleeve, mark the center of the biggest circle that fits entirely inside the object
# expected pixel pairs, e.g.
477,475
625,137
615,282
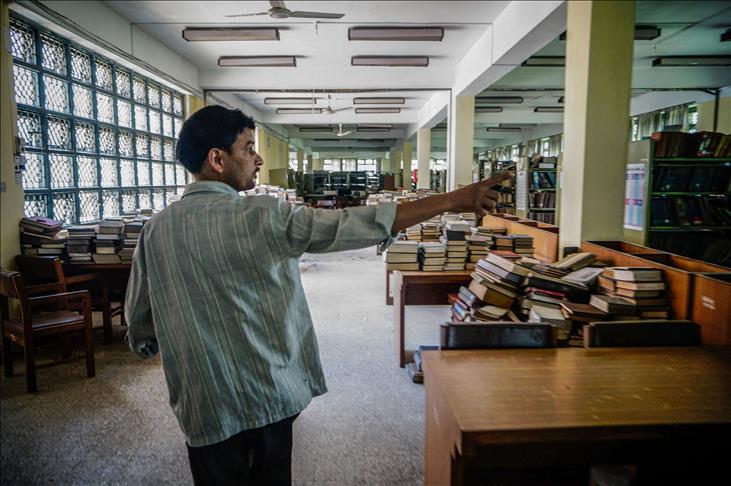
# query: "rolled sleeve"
326,230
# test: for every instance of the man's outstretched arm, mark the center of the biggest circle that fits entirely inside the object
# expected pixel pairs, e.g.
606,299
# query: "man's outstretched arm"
479,198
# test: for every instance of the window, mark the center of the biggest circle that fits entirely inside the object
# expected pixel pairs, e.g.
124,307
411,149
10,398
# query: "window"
99,139
693,118
368,165
293,161
328,165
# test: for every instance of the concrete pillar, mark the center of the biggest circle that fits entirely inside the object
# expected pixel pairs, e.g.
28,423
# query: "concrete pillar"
300,160
317,164
598,83
263,144
406,169
378,165
339,166
460,141
308,165
423,151
396,161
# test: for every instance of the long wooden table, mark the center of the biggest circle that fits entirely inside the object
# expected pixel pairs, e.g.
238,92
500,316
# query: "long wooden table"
492,410
421,288
115,275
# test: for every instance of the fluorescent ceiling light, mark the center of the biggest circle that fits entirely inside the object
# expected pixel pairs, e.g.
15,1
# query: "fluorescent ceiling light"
488,109
324,128
195,34
396,33
518,125
258,61
374,128
548,109
378,101
545,61
503,129
298,111
290,101
642,32
499,100
362,111
692,61
390,61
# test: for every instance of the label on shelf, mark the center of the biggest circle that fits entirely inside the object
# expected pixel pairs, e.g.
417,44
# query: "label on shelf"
521,190
634,196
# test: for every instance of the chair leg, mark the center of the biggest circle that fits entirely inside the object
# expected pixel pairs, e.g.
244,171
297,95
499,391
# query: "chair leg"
89,340
30,366
8,356
66,346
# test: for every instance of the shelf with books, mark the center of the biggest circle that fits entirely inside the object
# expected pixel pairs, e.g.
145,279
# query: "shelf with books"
689,228
691,193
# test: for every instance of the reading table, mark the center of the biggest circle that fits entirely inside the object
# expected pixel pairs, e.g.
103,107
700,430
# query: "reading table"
488,411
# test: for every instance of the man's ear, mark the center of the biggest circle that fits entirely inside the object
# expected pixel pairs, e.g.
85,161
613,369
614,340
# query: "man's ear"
215,160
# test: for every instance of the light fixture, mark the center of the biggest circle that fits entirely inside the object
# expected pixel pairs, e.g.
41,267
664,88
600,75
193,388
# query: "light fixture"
298,111
642,32
198,34
374,128
257,61
692,61
488,109
290,101
396,33
378,101
503,129
545,61
363,111
726,36
499,100
518,125
548,109
390,61
314,128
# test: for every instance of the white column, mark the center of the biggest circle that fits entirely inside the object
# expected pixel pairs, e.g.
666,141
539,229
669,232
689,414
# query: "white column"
598,84
460,141
408,156
378,165
309,167
300,160
423,151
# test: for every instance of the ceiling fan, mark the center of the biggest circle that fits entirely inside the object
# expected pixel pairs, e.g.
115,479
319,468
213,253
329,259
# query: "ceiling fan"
279,11
341,133
329,110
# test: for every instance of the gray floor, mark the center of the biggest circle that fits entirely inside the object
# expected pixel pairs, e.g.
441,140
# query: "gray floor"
117,428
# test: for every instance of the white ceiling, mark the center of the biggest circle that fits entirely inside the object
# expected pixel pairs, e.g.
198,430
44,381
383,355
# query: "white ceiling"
323,59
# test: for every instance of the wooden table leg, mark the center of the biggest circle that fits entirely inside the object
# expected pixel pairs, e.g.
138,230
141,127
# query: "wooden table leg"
399,304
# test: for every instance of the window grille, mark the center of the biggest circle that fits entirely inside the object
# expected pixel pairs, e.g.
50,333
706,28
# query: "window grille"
99,139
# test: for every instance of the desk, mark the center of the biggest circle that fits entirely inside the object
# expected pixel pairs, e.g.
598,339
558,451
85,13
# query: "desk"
491,409
115,275
421,288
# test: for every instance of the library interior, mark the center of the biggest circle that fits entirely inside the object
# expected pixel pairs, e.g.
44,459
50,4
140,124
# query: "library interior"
218,217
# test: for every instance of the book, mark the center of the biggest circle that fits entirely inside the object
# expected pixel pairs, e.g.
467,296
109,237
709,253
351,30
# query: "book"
620,284
634,274
400,257
613,305
585,276
404,247
507,264
403,266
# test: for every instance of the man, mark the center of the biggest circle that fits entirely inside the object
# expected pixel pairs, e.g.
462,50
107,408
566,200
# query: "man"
215,286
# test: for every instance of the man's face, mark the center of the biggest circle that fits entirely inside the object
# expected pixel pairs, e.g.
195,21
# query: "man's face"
242,164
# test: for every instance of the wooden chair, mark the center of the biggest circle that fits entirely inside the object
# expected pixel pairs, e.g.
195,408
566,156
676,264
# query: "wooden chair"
641,333
497,335
44,275
75,315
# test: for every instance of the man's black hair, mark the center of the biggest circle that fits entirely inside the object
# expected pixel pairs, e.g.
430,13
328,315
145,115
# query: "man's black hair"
210,127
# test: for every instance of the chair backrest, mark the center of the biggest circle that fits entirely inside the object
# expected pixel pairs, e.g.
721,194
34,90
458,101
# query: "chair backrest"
42,271
498,335
641,333
12,287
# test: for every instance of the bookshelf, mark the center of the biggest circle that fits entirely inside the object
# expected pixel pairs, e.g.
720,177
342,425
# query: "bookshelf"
507,197
536,190
677,204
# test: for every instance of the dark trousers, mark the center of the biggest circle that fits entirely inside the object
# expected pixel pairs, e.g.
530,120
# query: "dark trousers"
260,456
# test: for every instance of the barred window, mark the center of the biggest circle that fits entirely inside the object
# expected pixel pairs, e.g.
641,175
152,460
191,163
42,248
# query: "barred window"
99,139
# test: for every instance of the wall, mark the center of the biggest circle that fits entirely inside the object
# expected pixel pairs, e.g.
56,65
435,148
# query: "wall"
273,150
705,116
11,199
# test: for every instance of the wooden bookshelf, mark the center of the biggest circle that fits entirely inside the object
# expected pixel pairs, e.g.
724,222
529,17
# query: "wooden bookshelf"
711,307
545,236
538,186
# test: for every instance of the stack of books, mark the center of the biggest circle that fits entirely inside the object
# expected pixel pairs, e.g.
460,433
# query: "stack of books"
42,236
579,315
78,244
504,242
455,239
432,256
132,231
468,307
107,241
496,281
413,233
430,230
523,245
551,315
479,242
637,291
550,292
403,255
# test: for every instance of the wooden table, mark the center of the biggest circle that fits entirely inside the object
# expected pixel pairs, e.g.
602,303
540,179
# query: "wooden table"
421,288
115,275
567,407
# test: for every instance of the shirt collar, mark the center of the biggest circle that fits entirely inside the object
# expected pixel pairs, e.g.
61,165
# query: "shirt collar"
209,186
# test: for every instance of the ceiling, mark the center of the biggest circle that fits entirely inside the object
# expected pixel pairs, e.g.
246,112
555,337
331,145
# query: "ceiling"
324,69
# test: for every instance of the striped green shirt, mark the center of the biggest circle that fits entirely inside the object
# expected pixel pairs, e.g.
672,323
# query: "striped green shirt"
215,280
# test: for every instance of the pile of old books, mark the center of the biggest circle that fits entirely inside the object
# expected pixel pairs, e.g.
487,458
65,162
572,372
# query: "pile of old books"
132,229
632,293
432,256
403,255
479,242
579,315
455,238
413,233
107,241
42,236
431,229
79,242
523,245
